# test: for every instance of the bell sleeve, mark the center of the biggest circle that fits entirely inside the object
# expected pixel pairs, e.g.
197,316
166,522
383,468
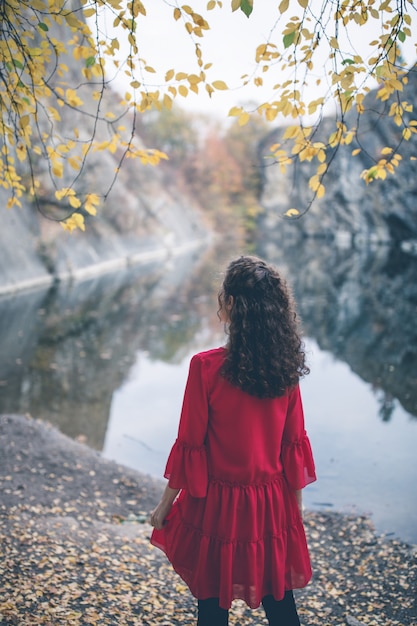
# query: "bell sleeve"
186,467
296,453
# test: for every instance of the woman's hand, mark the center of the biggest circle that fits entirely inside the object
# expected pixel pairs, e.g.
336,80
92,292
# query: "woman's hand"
299,497
160,512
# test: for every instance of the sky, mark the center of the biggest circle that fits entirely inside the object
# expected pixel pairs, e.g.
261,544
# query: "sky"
229,45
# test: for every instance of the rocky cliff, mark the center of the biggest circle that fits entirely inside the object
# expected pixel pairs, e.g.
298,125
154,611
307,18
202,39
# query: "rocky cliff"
359,305
141,218
381,211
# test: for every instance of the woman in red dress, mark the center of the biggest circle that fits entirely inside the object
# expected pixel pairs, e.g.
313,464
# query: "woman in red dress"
241,458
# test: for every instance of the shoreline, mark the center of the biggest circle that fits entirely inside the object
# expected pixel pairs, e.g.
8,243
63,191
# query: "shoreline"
101,267
75,548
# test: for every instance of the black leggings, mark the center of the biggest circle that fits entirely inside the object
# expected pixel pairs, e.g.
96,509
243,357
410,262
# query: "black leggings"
278,612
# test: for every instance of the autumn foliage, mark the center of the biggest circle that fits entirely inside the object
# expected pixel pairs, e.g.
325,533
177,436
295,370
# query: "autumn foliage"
56,58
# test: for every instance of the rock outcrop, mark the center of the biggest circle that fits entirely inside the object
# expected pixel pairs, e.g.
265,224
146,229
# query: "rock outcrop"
140,219
383,211
359,305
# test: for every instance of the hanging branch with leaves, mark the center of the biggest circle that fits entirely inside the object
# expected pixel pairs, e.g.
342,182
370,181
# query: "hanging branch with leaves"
57,59
323,34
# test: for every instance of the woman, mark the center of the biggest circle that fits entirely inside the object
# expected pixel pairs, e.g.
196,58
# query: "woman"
241,458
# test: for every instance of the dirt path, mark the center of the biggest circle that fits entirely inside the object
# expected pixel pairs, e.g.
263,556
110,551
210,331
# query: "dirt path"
75,548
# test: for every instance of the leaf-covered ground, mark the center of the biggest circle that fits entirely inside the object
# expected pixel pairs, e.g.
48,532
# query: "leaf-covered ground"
74,549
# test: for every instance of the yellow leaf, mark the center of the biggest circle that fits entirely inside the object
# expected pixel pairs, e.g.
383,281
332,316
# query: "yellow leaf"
54,114
219,84
91,202
386,150
407,134
292,212
61,193
314,183
271,114
303,3
89,12
24,120
75,221
57,169
167,102
193,79
79,221
243,119
13,202
21,152
73,22
291,132
283,6
74,202
169,75
77,53
235,111
321,156
74,162
72,99
68,225
356,151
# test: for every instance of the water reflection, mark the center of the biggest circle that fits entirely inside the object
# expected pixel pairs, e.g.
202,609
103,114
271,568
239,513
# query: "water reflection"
119,348
65,352
361,306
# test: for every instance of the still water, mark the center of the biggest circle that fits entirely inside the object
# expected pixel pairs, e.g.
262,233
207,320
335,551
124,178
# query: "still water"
107,361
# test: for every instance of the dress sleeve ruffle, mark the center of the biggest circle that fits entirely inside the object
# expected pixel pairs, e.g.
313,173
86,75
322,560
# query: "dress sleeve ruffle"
298,462
186,468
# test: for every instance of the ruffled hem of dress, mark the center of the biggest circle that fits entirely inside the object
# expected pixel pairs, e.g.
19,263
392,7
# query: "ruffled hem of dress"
231,570
241,541
186,468
298,462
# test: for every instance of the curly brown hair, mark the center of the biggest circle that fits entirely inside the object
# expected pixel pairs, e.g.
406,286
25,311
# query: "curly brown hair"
264,354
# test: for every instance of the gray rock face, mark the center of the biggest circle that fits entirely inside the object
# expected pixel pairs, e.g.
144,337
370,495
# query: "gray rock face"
140,219
360,305
134,225
381,211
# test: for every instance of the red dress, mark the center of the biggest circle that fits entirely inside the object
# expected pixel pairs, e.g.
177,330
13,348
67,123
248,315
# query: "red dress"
235,530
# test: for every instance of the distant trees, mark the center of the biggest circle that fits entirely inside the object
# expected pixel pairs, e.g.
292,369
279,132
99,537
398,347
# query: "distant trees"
57,58
217,165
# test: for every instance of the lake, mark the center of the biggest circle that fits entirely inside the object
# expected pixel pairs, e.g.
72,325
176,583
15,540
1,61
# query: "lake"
107,360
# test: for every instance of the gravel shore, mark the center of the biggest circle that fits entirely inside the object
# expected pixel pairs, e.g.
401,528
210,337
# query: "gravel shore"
74,548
